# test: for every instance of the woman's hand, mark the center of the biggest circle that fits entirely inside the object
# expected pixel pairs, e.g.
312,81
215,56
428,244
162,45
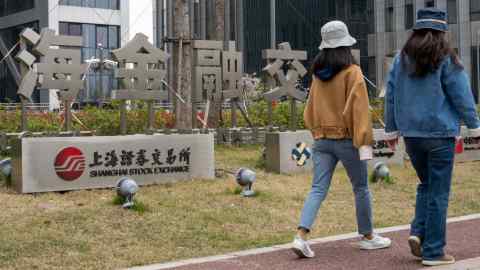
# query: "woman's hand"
392,144
392,139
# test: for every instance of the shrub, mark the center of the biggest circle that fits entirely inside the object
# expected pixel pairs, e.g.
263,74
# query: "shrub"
103,121
106,122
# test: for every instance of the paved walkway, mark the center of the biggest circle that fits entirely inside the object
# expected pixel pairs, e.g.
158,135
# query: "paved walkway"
338,253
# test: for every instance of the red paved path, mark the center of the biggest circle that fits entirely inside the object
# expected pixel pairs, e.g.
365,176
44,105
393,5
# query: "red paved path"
463,243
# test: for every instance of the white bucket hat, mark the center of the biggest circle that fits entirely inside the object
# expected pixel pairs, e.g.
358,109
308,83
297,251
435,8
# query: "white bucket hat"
335,34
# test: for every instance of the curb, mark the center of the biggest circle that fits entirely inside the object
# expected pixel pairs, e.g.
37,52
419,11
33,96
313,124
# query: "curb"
258,251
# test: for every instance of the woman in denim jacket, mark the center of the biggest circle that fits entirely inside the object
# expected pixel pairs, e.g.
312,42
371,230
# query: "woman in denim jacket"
428,95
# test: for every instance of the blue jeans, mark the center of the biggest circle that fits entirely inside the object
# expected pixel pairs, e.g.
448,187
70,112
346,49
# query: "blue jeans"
433,160
326,154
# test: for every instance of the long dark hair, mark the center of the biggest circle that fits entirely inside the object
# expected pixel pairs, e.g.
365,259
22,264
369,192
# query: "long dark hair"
425,50
336,59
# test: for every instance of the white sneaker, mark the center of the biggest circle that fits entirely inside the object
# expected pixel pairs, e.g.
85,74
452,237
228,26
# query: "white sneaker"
302,249
378,242
446,259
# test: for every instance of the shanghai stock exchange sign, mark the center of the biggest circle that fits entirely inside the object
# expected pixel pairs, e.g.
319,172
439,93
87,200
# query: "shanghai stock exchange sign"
98,162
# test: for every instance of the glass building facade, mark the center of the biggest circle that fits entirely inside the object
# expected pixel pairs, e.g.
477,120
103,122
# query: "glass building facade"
97,39
105,4
299,22
9,7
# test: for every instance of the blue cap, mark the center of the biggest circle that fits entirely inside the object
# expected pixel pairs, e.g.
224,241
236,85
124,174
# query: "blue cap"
431,18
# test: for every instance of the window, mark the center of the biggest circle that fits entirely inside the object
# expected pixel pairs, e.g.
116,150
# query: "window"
371,14
9,7
102,36
331,8
475,10
70,29
389,16
358,8
105,4
113,37
452,11
93,35
2,8
430,3
409,14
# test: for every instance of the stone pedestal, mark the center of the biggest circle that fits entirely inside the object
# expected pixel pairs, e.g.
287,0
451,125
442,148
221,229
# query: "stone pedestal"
471,150
279,146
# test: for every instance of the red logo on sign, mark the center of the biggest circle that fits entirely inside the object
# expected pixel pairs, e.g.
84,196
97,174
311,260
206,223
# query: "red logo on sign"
70,164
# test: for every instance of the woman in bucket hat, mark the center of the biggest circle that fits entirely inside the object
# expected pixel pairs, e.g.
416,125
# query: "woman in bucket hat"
428,94
337,114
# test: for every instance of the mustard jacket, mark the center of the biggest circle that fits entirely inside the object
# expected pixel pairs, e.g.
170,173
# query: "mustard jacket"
339,108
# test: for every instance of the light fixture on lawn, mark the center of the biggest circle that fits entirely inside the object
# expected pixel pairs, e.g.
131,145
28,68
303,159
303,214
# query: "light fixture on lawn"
245,178
380,172
126,189
6,167
301,153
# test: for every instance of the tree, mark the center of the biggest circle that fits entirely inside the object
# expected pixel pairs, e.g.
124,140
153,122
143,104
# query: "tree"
216,105
182,59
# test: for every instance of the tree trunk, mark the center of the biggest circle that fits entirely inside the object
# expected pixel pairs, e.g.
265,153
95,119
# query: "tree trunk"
219,19
182,57
216,105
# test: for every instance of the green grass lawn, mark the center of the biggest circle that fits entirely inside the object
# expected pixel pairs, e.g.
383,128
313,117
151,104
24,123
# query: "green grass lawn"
87,230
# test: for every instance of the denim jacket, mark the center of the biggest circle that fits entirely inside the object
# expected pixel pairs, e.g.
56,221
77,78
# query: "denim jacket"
431,106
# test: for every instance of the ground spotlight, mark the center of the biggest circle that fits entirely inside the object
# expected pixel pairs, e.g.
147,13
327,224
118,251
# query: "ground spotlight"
126,189
245,178
6,167
301,153
380,172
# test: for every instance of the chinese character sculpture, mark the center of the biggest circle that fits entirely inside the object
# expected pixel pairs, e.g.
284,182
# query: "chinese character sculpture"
207,71
232,71
59,67
140,73
286,82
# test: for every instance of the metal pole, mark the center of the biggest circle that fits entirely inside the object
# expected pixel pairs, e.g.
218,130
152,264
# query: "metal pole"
24,121
273,24
123,117
171,75
478,60
293,114
24,101
101,69
270,114
67,115
273,44
151,115
233,110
